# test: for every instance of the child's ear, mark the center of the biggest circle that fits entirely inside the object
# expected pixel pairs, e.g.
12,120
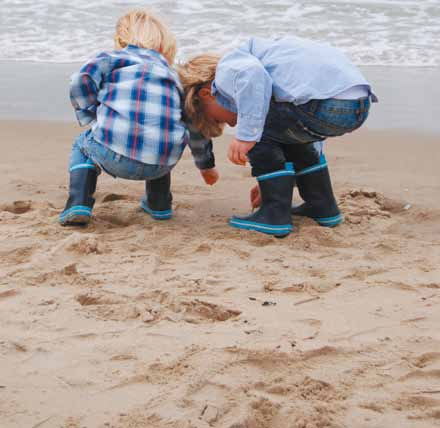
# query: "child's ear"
205,93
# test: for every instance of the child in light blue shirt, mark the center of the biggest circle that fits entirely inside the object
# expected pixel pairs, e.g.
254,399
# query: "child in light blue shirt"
285,97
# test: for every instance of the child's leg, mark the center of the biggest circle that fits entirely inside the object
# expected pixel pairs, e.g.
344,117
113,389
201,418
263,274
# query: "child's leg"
322,119
82,186
314,184
158,199
275,180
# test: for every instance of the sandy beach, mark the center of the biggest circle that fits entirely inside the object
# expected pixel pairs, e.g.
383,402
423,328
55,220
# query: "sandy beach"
192,324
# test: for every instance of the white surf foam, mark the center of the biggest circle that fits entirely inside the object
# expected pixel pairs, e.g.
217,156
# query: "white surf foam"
372,32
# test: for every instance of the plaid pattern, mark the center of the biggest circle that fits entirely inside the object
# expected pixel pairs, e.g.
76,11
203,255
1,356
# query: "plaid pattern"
132,98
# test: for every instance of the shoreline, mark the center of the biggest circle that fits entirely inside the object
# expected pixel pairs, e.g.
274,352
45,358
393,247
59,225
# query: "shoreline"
412,108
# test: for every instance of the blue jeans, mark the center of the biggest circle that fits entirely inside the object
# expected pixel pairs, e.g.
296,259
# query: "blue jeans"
295,133
85,149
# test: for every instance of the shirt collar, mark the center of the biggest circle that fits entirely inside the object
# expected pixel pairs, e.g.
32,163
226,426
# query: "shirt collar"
147,52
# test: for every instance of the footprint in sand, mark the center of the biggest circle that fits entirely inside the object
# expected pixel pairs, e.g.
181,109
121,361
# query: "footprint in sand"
184,206
8,293
323,237
421,225
17,255
17,207
116,308
415,402
310,327
426,360
420,407
118,220
197,311
203,249
259,412
78,243
422,375
111,197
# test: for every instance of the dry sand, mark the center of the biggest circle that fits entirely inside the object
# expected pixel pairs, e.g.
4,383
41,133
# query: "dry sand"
192,324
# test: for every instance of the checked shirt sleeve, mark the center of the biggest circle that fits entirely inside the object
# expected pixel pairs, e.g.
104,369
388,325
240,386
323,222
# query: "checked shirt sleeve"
201,149
84,88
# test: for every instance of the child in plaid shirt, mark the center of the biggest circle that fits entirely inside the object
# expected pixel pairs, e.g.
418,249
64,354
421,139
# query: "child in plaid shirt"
132,99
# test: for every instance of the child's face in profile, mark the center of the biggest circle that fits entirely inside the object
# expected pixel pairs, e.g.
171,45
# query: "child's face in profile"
215,111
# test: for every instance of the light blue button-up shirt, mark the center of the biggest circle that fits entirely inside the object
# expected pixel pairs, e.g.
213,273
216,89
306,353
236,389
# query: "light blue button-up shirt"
291,69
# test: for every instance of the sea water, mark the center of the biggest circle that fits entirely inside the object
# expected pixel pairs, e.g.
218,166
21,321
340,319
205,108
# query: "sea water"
372,32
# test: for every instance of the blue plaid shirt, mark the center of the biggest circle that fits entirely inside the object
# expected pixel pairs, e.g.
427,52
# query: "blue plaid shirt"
132,98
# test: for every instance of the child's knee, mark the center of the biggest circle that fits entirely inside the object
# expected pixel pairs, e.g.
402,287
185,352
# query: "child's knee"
265,158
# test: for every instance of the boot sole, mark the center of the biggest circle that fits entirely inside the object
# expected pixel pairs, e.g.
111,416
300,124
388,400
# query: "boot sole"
157,215
322,221
76,216
330,221
279,231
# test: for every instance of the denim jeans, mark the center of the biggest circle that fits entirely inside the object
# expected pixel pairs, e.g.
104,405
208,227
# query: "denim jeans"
86,149
295,133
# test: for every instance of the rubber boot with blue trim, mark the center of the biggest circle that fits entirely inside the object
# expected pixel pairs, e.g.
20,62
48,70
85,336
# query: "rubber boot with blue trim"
158,200
273,217
315,189
78,209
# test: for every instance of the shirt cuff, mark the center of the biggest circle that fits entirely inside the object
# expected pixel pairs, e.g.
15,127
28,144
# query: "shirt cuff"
85,117
205,163
249,129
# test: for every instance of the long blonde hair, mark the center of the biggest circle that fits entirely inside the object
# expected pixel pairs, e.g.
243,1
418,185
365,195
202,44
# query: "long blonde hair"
194,74
141,28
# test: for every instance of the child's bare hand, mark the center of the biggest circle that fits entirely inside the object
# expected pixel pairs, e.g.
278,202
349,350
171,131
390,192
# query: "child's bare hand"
238,151
210,176
255,196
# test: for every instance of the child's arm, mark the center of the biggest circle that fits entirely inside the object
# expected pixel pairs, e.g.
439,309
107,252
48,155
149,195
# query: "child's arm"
244,79
84,88
201,149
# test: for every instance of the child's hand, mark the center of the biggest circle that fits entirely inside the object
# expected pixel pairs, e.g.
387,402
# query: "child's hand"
209,175
238,151
255,196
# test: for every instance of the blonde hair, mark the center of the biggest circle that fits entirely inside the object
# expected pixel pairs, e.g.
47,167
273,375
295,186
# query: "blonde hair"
194,74
140,28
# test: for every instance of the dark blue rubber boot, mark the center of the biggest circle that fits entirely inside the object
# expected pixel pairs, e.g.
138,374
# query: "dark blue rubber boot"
158,200
273,217
82,186
315,189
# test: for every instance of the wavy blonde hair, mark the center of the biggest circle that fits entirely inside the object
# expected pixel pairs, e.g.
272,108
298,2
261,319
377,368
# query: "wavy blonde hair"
194,74
141,28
